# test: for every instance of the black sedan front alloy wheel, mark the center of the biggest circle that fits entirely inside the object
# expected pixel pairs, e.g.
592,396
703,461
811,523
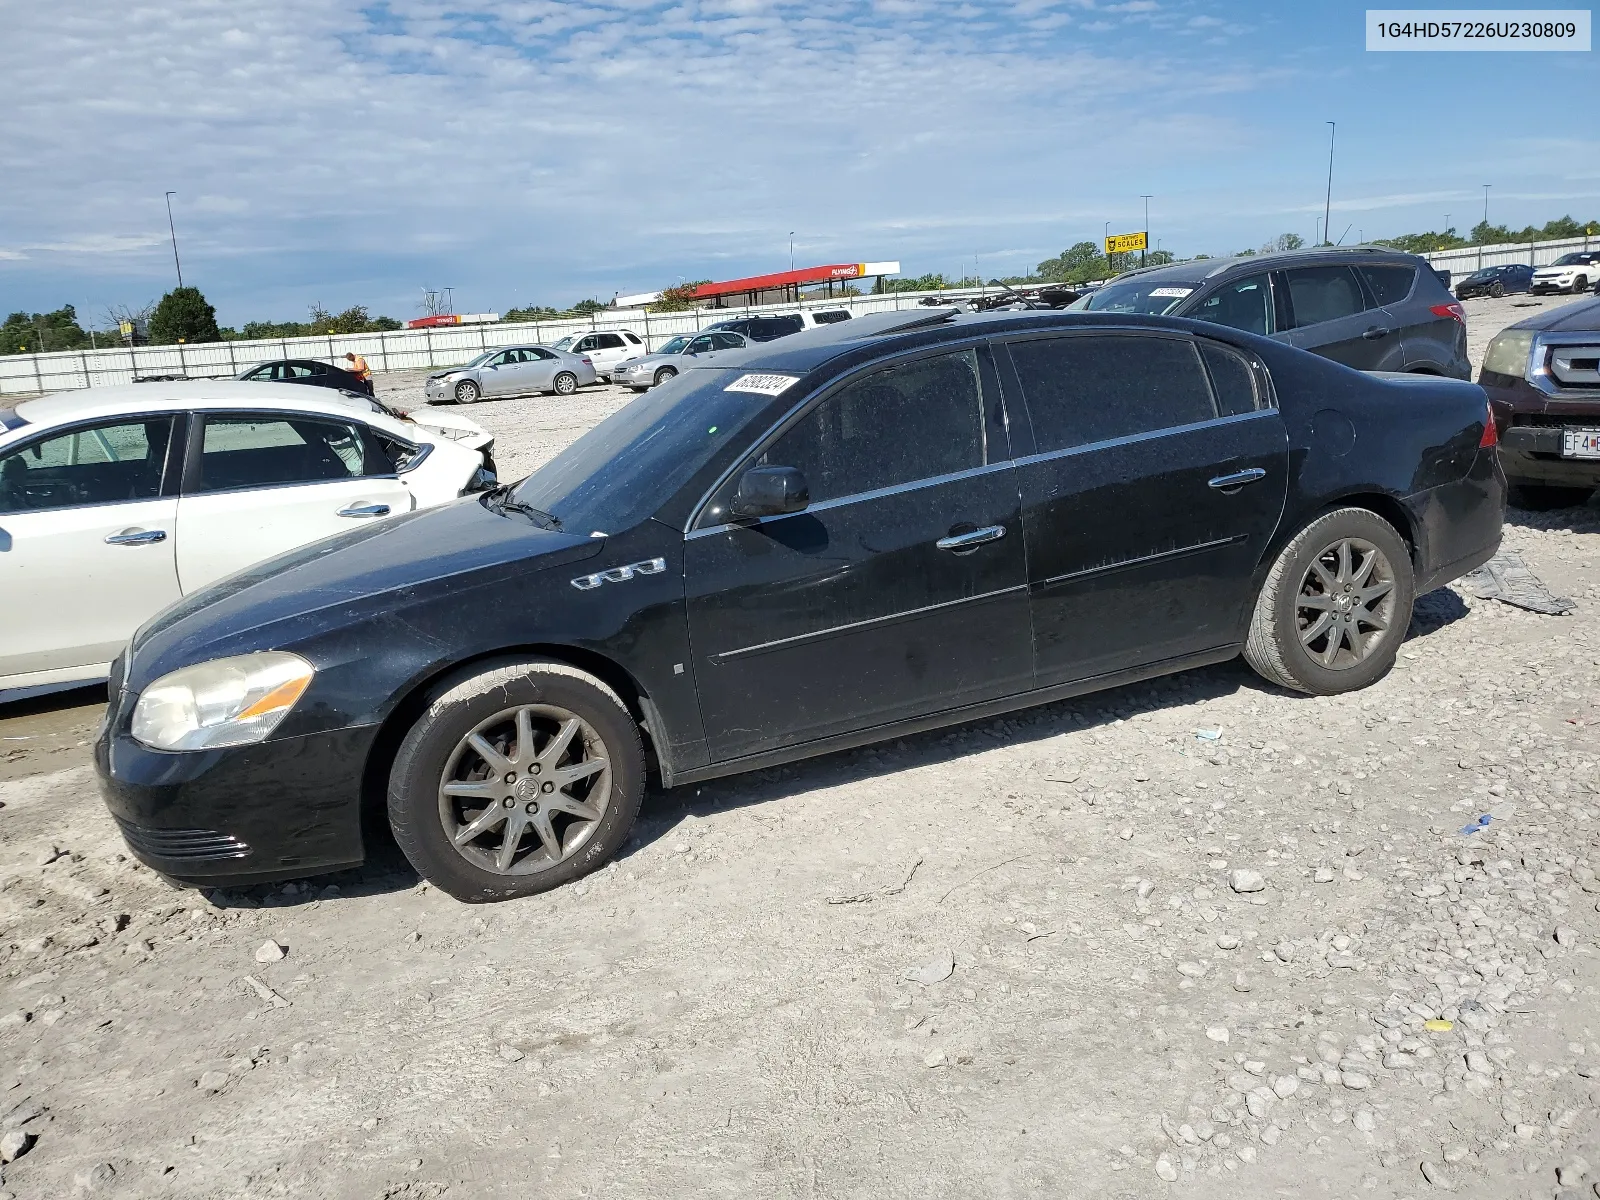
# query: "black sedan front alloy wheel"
1335,605
518,778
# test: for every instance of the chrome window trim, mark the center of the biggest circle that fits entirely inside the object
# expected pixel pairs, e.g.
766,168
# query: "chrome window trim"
1129,439
817,396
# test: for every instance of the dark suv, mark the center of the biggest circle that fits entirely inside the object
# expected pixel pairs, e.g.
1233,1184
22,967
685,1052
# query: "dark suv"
1543,380
1366,307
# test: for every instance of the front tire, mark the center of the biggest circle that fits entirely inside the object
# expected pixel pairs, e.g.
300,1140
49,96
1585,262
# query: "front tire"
565,383
1334,606
663,375
1580,285
1546,497
468,392
519,777
1497,289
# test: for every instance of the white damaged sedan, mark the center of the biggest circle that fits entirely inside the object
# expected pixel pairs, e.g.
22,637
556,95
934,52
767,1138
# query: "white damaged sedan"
117,501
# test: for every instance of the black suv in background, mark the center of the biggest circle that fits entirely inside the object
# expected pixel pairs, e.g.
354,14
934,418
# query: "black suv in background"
1543,379
1366,307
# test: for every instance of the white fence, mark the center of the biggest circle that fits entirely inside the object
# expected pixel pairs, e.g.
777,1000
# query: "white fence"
1467,259
402,350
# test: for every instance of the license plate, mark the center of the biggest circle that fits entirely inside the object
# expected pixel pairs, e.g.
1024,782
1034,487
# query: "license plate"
1580,443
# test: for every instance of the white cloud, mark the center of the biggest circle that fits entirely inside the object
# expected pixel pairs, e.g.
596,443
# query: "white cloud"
326,149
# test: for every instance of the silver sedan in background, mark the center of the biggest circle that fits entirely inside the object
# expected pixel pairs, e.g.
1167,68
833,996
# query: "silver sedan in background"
511,371
674,356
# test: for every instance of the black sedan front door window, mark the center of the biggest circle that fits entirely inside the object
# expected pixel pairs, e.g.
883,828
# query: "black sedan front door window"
900,590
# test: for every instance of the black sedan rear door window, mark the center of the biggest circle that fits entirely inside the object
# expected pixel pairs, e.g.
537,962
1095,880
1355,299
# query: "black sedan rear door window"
1231,379
914,421
1091,389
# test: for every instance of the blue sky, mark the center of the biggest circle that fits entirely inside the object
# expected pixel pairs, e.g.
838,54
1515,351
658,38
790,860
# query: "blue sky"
529,151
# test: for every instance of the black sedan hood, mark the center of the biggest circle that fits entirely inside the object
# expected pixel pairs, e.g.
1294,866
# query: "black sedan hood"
340,578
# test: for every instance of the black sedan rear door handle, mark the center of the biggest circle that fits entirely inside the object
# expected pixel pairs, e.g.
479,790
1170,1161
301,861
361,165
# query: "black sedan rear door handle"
1228,483
1376,332
966,541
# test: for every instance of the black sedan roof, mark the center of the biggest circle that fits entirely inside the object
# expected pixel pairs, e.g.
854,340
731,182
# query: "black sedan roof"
878,333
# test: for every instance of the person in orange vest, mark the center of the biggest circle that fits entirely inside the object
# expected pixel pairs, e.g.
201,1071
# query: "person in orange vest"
358,367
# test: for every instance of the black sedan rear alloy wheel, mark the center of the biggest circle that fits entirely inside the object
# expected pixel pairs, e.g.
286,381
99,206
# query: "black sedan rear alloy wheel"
1335,605
516,780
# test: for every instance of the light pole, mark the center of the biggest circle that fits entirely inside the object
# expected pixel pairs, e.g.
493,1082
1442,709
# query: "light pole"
1327,200
791,250
1485,224
1142,253
172,229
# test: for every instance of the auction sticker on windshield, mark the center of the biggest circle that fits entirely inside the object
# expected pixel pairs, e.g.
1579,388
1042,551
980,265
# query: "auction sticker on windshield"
763,385
1170,291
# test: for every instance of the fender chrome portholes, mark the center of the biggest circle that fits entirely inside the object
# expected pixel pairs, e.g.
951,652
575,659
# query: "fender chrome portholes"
650,566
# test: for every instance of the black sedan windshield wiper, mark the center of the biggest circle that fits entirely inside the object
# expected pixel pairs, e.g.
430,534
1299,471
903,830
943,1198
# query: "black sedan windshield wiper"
500,500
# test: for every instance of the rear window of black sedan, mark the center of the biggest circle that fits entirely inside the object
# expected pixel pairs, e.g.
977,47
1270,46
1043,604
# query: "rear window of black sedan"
626,467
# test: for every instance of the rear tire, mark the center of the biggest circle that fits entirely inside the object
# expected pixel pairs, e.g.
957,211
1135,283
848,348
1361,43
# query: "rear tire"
565,383
467,392
561,777
1334,607
1546,497
663,375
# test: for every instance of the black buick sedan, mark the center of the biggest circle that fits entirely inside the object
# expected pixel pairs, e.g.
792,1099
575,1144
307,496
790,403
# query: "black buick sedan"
864,530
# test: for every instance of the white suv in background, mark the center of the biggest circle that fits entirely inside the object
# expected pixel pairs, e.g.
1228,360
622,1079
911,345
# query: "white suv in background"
605,348
1575,272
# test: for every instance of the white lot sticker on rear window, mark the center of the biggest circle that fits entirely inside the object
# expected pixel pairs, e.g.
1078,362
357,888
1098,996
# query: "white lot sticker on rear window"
763,385
1171,291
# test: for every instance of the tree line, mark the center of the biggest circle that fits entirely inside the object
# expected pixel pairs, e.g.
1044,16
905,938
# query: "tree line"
183,315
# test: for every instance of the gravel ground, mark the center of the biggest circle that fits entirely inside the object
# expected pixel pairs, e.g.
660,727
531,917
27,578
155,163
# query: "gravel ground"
1194,937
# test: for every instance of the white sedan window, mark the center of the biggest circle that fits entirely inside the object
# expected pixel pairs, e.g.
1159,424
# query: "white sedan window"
101,464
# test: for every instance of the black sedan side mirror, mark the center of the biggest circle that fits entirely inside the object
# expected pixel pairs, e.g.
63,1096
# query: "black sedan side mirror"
770,492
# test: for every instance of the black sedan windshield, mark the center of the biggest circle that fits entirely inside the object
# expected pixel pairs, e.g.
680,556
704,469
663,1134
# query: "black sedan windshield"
1152,297
627,466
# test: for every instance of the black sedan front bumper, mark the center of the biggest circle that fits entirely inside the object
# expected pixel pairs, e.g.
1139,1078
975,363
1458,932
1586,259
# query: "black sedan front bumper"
251,814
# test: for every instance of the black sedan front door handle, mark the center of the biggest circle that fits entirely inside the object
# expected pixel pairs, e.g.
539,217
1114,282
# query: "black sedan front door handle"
1235,481
958,542
1376,332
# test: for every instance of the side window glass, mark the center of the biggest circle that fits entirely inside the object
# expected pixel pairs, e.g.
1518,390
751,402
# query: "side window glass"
1243,304
727,341
585,344
1321,294
700,344
1231,379
895,426
633,339
1088,389
1389,284
106,464
246,452
611,341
